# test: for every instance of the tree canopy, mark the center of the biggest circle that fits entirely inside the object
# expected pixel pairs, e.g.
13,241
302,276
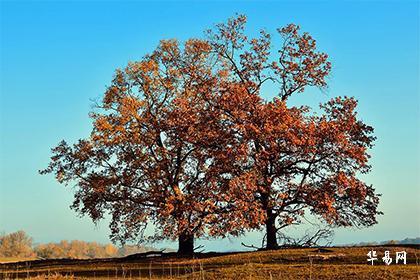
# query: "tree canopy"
183,140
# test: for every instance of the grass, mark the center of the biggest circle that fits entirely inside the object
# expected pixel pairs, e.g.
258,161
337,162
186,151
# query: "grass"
334,263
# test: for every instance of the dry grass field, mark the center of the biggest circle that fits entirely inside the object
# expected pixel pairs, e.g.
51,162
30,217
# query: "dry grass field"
309,263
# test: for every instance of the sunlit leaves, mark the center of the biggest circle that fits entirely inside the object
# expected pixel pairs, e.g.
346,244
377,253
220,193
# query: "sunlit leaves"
182,139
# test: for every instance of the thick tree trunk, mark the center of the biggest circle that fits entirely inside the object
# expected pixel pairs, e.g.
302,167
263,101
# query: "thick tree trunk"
186,244
271,231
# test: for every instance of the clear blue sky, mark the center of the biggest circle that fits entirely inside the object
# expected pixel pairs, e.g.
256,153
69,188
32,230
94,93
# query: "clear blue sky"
58,56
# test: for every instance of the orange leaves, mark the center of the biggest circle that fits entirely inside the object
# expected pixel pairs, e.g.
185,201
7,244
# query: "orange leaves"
102,124
130,107
300,64
168,51
110,96
289,30
184,139
197,47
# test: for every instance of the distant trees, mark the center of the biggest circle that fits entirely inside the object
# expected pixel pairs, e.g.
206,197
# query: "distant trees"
19,244
183,140
85,250
75,249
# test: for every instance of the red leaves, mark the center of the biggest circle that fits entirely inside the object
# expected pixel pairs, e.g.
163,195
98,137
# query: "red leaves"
183,140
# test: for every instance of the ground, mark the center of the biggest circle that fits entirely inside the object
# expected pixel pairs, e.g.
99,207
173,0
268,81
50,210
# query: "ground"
308,263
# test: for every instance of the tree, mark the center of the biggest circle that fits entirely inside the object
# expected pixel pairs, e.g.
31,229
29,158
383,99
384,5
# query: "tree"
295,159
183,139
150,156
16,244
110,251
297,162
49,251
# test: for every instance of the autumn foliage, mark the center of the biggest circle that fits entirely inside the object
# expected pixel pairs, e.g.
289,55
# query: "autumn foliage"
183,140
19,245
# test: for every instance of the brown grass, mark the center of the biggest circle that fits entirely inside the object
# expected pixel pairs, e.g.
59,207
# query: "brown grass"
15,259
337,263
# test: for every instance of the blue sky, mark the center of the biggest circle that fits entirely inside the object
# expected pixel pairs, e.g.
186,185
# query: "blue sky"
58,56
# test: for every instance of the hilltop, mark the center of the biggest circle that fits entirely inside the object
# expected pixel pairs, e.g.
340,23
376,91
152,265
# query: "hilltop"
308,263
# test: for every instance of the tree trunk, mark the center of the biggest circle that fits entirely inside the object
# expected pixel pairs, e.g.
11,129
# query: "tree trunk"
271,231
186,244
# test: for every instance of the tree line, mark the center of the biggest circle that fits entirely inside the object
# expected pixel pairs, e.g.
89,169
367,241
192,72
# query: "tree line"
19,244
184,141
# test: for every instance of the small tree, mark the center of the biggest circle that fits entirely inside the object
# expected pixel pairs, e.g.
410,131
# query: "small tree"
49,251
16,244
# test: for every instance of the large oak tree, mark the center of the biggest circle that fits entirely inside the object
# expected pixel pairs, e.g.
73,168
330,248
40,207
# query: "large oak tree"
183,140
